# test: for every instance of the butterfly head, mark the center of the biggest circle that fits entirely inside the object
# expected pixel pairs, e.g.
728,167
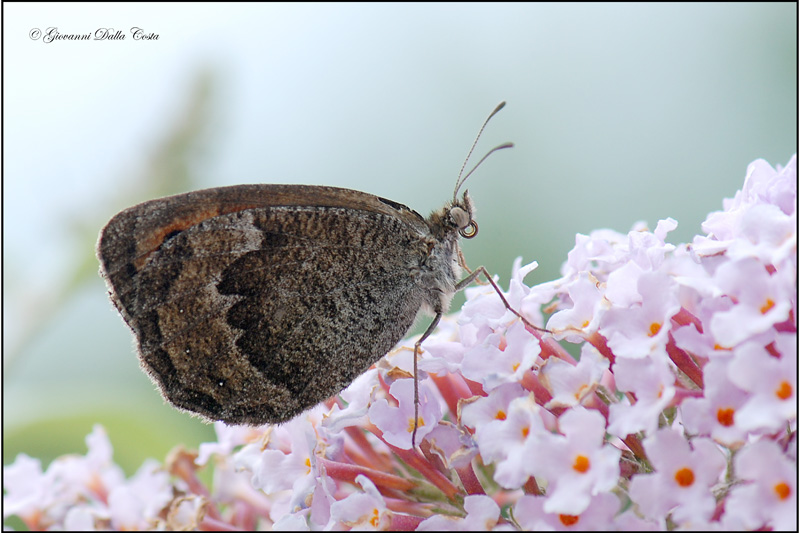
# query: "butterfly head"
454,219
460,215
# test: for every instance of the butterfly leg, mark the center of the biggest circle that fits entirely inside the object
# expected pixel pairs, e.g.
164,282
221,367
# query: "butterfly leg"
482,270
417,350
473,275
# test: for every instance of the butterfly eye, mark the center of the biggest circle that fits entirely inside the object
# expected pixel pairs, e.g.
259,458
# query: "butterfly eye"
470,231
459,217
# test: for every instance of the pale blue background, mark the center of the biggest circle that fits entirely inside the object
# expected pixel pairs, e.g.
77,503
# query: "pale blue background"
619,113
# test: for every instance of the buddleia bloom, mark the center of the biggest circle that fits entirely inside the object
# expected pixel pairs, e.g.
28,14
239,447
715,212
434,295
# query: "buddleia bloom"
651,386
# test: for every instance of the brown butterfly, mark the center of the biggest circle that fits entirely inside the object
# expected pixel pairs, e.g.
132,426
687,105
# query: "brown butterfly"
253,303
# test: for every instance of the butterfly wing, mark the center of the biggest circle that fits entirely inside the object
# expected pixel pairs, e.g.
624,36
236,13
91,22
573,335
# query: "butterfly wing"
251,304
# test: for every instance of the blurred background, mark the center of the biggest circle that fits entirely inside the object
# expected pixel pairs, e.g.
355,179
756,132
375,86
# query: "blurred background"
619,113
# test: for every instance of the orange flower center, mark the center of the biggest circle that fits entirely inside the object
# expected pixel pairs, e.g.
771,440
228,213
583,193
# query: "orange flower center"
568,519
684,477
582,464
420,423
655,327
725,416
784,391
783,490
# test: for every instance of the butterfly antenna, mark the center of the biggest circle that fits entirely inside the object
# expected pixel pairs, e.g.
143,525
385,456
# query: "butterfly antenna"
493,150
460,181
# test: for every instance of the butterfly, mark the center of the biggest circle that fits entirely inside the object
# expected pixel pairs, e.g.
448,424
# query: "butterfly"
252,303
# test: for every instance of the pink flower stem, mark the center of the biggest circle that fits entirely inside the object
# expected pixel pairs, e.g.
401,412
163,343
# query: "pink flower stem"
453,388
787,326
360,439
475,388
417,509
401,522
469,479
551,348
635,445
348,472
531,383
181,464
684,362
418,462
600,342
684,318
213,524
532,487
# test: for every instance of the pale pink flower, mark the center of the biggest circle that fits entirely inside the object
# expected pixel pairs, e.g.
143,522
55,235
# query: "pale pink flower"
281,467
715,413
587,308
137,503
770,383
360,511
482,514
761,301
397,423
642,329
228,438
502,357
357,398
652,382
768,499
569,384
576,464
598,515
508,441
684,476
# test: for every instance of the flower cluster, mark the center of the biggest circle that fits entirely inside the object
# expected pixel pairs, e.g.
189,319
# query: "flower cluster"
675,406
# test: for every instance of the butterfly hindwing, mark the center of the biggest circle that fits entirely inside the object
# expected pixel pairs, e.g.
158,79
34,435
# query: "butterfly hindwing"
257,314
